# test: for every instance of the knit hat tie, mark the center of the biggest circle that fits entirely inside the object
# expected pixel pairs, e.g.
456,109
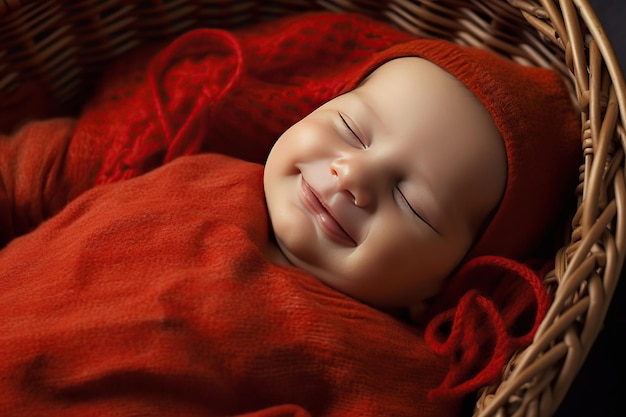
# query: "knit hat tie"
500,306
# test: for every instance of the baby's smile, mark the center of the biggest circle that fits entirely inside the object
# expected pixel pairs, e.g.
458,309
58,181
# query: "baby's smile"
327,222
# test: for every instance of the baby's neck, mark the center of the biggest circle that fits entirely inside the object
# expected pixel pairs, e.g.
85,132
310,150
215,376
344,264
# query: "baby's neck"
273,254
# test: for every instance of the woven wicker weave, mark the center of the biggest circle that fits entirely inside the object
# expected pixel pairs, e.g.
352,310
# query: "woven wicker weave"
63,44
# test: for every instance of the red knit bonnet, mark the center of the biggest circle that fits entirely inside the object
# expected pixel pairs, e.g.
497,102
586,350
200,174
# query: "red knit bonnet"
495,301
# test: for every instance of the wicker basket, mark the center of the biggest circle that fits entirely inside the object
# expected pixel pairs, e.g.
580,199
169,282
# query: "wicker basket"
62,44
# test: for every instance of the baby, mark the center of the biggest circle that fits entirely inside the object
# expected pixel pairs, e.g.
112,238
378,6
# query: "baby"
378,184
211,285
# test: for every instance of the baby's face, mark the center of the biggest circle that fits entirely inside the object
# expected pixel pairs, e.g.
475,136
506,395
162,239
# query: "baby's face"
381,192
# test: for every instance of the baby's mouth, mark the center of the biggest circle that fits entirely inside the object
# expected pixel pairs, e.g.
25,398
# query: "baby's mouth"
323,216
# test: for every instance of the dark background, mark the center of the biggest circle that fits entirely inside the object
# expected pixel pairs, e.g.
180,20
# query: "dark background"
599,390
612,14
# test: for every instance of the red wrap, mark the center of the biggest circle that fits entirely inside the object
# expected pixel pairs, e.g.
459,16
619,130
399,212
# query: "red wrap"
152,296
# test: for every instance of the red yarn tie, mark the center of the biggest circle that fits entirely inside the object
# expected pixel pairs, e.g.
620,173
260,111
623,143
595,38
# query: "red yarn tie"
498,299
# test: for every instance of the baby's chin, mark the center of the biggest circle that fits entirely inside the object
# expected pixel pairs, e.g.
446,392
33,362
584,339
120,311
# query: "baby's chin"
356,285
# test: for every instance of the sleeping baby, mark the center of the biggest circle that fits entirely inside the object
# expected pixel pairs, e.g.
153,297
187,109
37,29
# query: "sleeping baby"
317,216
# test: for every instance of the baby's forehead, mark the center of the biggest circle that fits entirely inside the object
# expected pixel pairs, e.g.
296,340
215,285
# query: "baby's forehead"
382,68
412,70
407,69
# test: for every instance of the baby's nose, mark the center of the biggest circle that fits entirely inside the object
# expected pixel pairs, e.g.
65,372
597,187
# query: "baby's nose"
355,178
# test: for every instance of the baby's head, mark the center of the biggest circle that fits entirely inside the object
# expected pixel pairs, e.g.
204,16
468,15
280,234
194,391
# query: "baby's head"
435,154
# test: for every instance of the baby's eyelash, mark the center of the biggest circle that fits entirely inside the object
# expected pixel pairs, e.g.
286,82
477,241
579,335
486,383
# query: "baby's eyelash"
351,130
406,201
